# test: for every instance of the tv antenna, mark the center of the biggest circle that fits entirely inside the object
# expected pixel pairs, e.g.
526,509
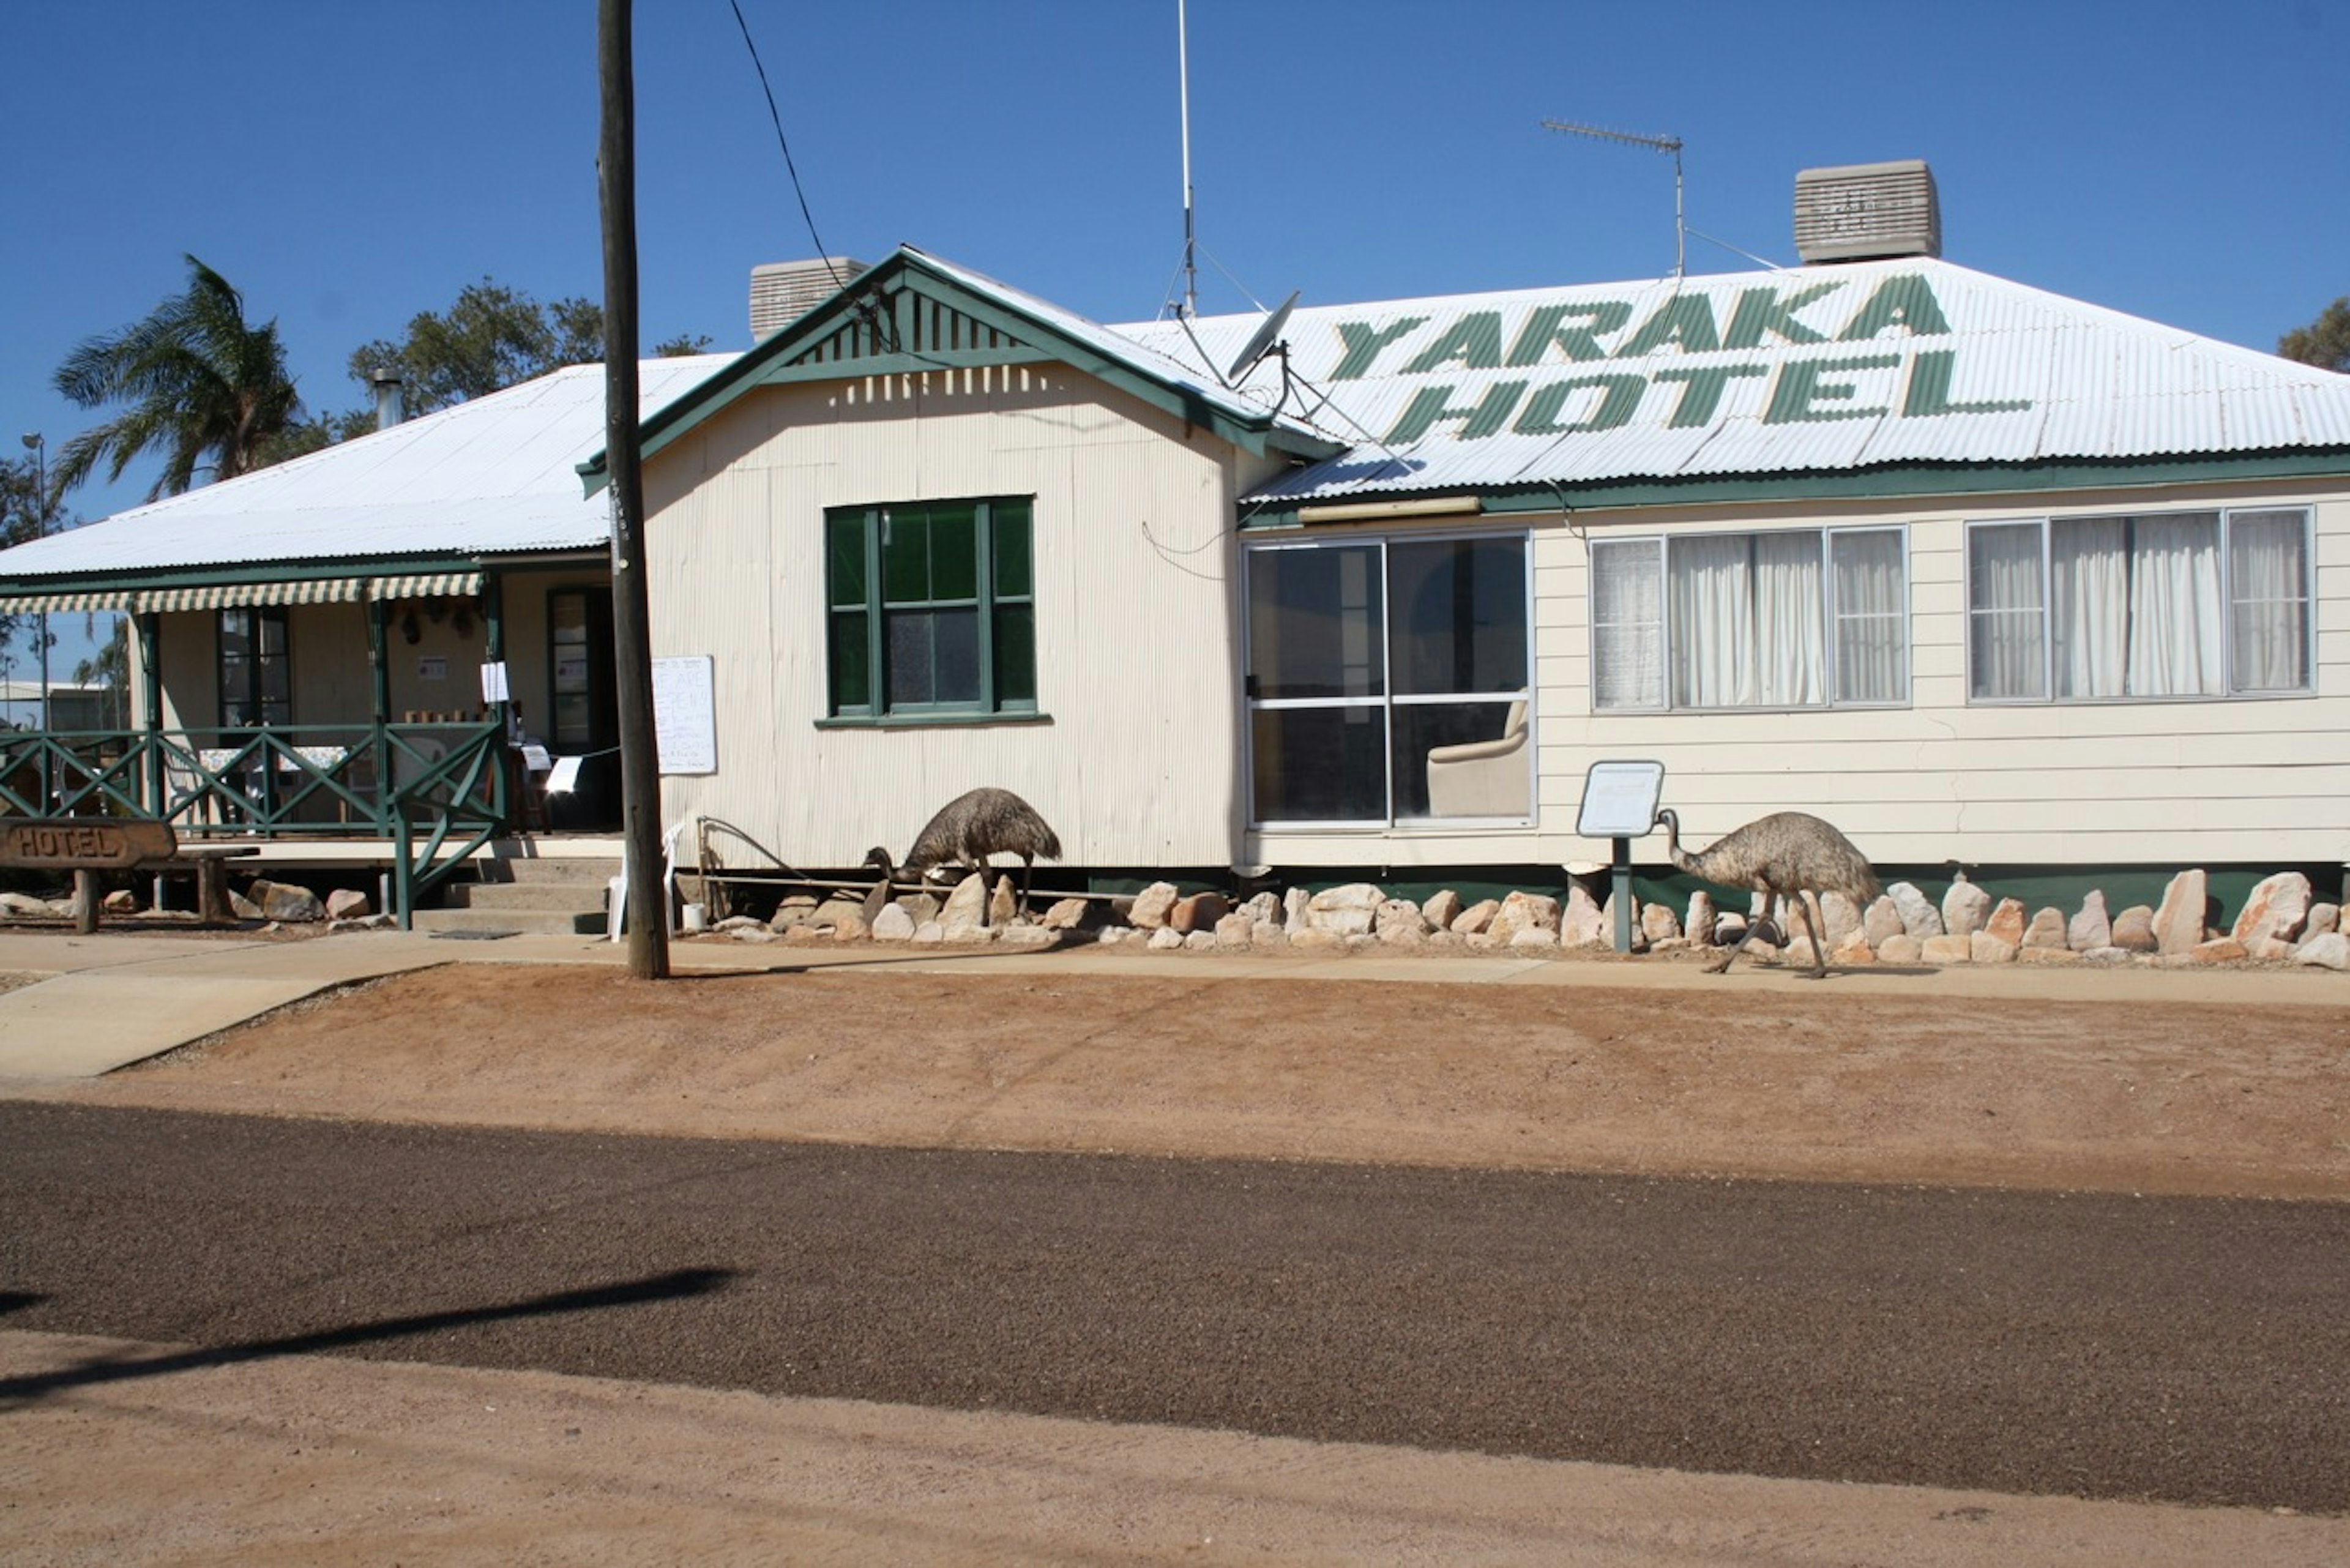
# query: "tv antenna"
1672,144
1191,242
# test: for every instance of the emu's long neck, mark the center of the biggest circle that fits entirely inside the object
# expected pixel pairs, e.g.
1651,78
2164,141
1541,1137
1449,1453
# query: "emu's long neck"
1673,850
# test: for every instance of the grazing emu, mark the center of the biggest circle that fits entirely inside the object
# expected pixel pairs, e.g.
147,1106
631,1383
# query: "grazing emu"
1786,855
967,830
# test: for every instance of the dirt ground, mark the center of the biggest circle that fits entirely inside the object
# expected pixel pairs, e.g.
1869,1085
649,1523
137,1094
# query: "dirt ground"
341,1463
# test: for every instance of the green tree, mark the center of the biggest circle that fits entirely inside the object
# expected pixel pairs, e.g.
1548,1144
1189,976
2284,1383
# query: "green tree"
2324,342
684,345
491,337
23,511
195,381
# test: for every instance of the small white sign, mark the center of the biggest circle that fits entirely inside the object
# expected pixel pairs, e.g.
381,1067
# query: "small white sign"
494,681
432,667
685,715
1619,799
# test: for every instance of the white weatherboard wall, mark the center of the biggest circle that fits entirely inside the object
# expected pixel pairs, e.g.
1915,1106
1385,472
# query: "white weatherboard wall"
1136,758
2259,780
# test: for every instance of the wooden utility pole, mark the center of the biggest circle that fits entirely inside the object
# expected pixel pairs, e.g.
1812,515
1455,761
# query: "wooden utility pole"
647,895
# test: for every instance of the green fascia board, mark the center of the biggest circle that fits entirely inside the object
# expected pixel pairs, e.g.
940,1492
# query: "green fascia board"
772,362
1911,482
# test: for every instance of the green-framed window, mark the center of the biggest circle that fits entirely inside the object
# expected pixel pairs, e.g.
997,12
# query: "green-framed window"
931,609
256,683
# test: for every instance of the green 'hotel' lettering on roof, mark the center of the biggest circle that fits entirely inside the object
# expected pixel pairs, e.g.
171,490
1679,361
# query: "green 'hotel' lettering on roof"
1620,401
1803,385
1363,344
1929,390
1428,406
1906,300
1702,396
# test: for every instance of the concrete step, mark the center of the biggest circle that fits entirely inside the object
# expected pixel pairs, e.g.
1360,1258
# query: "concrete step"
535,923
569,870
572,896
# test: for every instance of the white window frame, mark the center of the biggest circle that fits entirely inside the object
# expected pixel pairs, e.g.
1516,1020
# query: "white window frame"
1831,618
2047,696
1389,699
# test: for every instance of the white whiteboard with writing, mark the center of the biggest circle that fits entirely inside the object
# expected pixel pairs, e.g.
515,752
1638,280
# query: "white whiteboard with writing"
685,715
1619,799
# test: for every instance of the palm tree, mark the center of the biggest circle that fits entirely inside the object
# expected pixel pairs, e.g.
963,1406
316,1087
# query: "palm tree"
198,383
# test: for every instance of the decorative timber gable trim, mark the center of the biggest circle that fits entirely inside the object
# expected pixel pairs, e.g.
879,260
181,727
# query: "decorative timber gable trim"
911,315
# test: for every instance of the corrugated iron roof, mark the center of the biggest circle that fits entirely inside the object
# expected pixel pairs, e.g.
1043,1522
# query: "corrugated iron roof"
1826,369
491,476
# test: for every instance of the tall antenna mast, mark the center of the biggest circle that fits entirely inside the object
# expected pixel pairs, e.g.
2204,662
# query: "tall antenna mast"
1183,74
1672,144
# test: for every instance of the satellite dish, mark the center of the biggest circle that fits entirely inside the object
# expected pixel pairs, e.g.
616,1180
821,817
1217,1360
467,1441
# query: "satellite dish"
1262,340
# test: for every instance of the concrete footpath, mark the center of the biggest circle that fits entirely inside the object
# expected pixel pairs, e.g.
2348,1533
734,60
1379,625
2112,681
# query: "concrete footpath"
103,1002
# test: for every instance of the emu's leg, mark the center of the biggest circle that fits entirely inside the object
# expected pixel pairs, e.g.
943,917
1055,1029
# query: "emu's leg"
1815,924
1753,924
1027,875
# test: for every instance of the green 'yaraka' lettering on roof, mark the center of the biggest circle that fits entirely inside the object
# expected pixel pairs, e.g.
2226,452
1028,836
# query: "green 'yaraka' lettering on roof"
1804,387
1761,310
1363,342
1929,390
1475,340
1904,300
1686,319
1621,401
1547,325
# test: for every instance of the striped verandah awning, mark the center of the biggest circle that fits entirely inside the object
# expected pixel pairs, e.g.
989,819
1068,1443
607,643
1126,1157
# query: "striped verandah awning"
237,596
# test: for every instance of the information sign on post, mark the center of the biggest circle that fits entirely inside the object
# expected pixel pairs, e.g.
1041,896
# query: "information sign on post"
1619,803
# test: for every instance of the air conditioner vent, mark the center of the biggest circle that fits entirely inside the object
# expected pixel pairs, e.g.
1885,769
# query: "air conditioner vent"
782,291
1865,211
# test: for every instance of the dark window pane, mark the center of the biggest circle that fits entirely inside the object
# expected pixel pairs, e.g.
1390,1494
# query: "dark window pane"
1014,579
1462,759
270,628
954,552
911,681
905,556
575,723
275,687
1320,764
1458,610
568,613
956,646
1015,655
844,560
852,664
1314,622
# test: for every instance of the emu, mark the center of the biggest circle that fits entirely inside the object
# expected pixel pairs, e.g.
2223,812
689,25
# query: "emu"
1787,855
966,831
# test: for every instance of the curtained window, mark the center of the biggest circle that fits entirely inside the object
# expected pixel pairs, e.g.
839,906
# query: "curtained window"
2139,606
1800,617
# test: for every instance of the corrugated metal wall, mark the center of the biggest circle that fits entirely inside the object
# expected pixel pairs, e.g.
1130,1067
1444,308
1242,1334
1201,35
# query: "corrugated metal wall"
1136,759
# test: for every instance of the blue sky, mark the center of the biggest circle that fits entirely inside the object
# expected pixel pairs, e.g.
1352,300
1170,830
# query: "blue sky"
347,166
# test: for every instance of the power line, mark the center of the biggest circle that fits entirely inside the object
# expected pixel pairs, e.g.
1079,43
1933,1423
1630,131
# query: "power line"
784,143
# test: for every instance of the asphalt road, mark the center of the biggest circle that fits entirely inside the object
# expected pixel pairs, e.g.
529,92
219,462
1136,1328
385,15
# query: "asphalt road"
2188,1350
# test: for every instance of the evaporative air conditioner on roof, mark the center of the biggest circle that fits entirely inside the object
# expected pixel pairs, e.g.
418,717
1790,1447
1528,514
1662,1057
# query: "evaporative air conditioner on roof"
782,291
1865,211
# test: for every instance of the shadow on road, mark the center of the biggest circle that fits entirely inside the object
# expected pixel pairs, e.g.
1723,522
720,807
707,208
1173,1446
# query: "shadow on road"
673,1285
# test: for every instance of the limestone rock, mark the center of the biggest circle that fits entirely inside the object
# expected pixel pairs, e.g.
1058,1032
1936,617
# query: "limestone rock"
1919,916
1852,950
362,923
1985,947
25,904
1947,950
1294,909
1268,934
1003,903
1197,912
2179,923
2327,950
1066,915
349,904
2048,930
1200,941
1583,924
1881,921
1658,923
1400,919
2047,956
1028,934
2134,929
1347,911
2322,917
1151,906
930,933
2092,928
1313,939
795,909
1476,917
2108,956
1523,911
850,928
1237,929
1439,910
286,903
2274,915
123,901
1265,907
966,905
828,915
1841,917
754,932
2218,949
1533,937
973,935
1164,938
1699,925
893,925
2006,922
1965,908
